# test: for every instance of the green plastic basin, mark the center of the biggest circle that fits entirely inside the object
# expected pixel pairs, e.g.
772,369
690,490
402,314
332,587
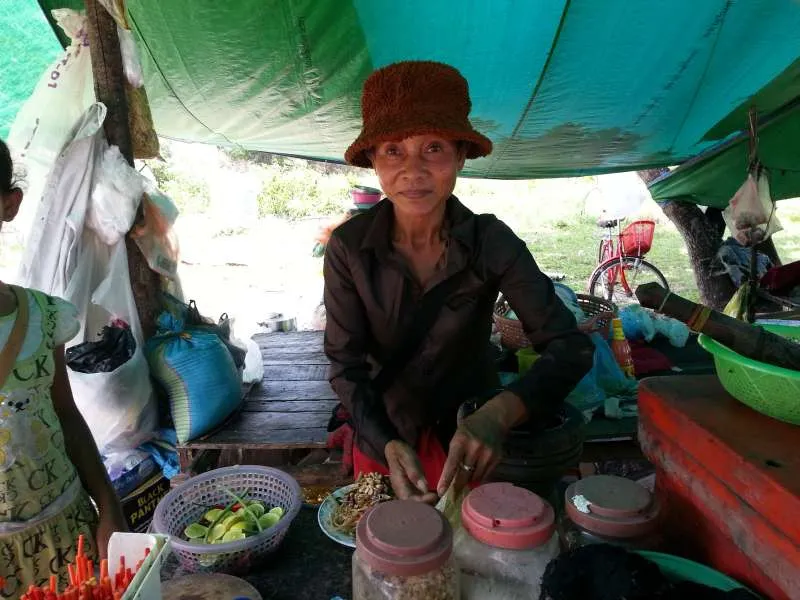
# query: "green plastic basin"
682,569
770,390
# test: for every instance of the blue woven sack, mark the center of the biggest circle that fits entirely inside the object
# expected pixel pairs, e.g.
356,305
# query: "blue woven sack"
198,374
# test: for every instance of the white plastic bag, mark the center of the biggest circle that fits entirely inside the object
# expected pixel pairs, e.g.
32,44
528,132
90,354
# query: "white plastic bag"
118,406
61,97
253,363
750,215
116,195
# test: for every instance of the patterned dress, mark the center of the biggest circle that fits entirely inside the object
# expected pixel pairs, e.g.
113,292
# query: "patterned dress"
43,506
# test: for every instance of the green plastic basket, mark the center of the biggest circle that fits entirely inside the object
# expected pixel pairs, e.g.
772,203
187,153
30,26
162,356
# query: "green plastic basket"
770,390
676,568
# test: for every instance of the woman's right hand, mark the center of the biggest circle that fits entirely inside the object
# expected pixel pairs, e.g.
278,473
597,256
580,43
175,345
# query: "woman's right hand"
405,473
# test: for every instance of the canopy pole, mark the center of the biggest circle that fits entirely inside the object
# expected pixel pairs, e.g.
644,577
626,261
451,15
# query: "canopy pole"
109,88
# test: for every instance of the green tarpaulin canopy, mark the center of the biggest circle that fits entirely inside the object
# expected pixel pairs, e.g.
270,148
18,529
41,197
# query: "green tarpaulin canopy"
562,87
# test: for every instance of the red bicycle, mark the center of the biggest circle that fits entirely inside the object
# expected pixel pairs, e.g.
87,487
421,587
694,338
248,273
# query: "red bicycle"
621,266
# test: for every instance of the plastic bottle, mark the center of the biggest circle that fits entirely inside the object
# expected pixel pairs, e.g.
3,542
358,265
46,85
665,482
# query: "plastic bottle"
621,348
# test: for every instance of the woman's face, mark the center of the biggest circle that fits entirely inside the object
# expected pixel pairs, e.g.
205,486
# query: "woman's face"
419,173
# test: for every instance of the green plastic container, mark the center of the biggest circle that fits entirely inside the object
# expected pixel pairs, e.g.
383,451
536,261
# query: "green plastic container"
681,569
770,390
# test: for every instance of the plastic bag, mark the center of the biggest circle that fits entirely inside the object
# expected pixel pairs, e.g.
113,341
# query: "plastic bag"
118,406
155,236
750,215
253,363
115,198
115,347
61,97
637,323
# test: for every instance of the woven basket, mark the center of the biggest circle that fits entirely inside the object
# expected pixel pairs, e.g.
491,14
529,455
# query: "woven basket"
513,336
189,501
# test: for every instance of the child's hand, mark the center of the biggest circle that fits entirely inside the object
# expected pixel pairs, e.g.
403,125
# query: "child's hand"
111,520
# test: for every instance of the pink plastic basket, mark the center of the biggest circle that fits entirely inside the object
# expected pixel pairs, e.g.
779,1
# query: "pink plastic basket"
188,502
637,238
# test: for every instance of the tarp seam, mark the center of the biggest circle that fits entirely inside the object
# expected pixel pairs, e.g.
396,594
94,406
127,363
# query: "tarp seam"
169,86
536,88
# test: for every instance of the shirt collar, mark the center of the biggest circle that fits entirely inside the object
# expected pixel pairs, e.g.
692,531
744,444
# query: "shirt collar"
460,219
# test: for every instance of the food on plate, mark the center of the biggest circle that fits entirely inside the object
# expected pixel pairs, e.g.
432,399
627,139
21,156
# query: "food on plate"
369,490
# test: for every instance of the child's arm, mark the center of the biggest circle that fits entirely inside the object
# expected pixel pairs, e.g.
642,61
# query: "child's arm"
83,453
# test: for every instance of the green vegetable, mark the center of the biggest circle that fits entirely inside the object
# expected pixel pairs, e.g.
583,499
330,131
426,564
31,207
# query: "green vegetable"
195,531
244,505
221,525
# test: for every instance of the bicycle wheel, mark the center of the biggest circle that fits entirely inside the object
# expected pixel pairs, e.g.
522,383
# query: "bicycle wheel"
618,285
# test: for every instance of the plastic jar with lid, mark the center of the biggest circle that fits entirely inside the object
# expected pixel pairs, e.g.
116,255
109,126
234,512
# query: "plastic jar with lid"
404,551
610,510
506,540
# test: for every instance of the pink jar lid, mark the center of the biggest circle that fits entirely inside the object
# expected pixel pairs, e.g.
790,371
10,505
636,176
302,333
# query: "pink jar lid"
404,537
506,516
612,506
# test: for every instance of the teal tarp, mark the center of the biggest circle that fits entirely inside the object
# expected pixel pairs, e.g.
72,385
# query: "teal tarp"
27,47
562,87
713,179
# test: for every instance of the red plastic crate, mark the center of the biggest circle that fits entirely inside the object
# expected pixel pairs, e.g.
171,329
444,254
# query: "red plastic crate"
729,478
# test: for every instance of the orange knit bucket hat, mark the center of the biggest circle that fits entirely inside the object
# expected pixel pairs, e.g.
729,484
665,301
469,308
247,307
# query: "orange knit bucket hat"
414,98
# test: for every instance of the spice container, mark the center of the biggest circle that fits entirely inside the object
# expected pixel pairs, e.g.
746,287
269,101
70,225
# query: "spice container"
404,551
507,539
611,510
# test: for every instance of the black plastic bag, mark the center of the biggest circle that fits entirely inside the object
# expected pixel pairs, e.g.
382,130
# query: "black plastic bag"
114,348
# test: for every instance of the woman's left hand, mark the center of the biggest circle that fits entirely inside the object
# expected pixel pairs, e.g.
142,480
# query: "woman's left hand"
477,445
111,520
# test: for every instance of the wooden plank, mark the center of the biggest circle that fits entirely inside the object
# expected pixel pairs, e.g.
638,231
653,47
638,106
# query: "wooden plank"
248,438
304,357
290,406
289,339
295,372
292,390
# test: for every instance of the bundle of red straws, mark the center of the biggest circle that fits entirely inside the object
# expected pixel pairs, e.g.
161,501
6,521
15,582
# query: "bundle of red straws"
84,585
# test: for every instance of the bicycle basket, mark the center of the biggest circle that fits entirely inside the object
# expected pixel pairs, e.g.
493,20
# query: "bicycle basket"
637,238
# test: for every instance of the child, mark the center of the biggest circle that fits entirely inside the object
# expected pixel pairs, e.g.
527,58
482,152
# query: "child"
50,469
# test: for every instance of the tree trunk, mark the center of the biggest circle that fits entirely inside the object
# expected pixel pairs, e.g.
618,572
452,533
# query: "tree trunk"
703,237
702,233
109,88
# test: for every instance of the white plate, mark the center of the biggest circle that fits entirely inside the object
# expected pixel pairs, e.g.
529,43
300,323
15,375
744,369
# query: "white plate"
325,517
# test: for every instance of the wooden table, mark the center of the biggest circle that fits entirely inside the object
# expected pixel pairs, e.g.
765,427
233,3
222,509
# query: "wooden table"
287,411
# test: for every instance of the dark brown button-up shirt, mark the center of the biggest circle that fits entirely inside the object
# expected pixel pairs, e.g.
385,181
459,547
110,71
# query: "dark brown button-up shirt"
370,295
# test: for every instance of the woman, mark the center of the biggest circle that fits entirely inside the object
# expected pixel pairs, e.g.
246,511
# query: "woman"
421,260
53,486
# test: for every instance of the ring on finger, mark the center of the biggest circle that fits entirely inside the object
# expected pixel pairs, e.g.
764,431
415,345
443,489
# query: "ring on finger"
467,468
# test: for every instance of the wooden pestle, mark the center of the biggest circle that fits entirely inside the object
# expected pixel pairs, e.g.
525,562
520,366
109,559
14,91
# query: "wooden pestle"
748,340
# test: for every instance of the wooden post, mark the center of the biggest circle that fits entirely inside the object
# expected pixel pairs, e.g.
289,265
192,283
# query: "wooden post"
109,88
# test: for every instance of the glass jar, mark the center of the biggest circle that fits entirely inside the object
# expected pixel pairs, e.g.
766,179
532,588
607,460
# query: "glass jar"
508,537
404,551
604,509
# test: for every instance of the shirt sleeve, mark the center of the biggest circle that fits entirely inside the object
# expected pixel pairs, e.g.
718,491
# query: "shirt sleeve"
566,354
67,322
346,346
